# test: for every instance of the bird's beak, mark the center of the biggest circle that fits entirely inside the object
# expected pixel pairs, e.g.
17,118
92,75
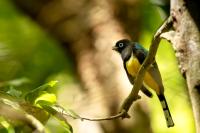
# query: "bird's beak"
114,48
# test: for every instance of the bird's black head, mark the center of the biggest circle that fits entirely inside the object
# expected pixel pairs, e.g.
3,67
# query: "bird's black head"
121,45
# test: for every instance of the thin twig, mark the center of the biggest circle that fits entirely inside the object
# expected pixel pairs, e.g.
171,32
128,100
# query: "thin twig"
148,61
119,115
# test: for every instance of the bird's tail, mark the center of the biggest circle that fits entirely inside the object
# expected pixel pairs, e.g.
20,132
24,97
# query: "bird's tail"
166,111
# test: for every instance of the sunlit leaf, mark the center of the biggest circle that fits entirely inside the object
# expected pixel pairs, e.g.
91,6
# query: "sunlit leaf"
32,95
6,125
48,97
52,83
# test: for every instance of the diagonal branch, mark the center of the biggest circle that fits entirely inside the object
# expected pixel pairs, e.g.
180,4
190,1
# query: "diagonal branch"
18,115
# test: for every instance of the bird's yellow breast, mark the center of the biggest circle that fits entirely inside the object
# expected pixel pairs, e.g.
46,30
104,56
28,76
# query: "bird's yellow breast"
133,66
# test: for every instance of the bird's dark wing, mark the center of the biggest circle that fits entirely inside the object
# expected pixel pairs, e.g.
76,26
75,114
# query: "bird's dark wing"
146,91
140,52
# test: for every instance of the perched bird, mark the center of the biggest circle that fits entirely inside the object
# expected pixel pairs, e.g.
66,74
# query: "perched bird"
133,55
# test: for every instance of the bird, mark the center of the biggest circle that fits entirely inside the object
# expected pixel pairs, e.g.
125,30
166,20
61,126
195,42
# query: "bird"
133,55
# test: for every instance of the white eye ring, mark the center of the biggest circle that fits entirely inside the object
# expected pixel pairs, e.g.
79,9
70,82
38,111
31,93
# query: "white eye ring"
121,45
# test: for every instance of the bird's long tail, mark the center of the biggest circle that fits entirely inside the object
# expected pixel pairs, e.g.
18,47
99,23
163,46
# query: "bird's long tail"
166,111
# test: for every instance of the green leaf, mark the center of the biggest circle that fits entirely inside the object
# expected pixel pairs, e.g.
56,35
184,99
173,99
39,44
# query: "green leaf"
52,83
67,126
32,95
14,92
13,84
58,112
48,97
6,125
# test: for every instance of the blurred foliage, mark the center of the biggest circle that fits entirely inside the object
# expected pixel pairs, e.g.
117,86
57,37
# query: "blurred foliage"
26,51
29,58
39,104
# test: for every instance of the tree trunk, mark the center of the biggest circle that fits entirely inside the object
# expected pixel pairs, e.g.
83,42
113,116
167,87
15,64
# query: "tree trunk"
185,38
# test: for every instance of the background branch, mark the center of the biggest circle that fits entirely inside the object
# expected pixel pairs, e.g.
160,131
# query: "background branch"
12,114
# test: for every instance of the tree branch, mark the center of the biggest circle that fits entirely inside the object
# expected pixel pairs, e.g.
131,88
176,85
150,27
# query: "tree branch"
17,115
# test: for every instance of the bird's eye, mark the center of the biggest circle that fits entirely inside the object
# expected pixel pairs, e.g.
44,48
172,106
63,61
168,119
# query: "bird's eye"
121,45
